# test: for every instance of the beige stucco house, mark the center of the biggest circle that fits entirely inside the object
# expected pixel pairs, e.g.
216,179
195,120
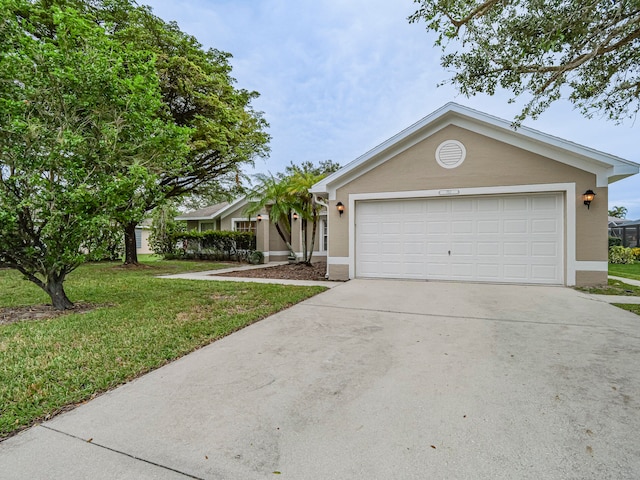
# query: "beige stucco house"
462,196
232,216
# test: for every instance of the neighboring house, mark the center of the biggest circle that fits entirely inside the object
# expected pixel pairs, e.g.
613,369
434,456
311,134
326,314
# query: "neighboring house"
143,230
462,196
232,216
626,230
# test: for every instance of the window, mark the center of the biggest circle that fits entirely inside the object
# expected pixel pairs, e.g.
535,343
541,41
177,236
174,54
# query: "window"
324,237
138,239
204,226
244,226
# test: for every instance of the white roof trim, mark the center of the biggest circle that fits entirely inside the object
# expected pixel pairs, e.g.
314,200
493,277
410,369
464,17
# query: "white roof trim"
232,206
607,168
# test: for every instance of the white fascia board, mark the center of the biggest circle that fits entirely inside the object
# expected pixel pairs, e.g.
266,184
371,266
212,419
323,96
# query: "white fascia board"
232,206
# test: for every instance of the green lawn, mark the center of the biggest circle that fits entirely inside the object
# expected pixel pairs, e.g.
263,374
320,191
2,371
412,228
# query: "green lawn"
614,287
630,307
46,365
628,271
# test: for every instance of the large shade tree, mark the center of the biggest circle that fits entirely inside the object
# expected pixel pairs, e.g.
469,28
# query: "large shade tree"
81,131
199,92
587,50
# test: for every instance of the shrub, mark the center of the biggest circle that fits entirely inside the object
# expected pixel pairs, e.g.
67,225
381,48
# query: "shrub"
619,254
615,241
216,245
164,228
636,253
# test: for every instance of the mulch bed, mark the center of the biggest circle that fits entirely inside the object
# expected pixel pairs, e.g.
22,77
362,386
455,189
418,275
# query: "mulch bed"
297,271
40,312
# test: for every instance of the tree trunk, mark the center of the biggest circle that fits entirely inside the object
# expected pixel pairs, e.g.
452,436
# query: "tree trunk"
313,237
305,241
130,250
55,289
284,239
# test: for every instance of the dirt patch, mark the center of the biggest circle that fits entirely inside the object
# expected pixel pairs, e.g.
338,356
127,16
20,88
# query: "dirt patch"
297,271
40,312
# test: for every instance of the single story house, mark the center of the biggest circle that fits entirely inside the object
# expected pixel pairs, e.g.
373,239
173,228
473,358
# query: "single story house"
628,231
143,231
232,216
461,195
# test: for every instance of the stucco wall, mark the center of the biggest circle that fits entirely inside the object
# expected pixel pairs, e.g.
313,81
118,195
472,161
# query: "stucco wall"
488,163
226,221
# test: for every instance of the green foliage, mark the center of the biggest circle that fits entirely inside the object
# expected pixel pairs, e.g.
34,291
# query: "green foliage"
81,131
636,254
591,50
164,229
324,168
141,323
198,92
107,245
216,244
619,254
288,192
614,241
618,212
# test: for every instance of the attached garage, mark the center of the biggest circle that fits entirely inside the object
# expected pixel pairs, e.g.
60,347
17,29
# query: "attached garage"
462,196
513,239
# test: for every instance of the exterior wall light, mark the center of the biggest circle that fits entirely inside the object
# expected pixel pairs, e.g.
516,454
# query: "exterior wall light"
588,197
340,208
259,217
295,216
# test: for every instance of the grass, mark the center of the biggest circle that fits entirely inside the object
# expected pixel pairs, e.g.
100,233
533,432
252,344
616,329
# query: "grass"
48,365
614,287
630,307
629,271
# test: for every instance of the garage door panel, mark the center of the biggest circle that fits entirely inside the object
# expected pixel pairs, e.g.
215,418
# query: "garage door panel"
463,271
462,248
515,226
515,238
462,206
515,204
546,225
488,249
437,228
437,206
544,202
543,273
515,249
462,227
489,271
490,227
544,249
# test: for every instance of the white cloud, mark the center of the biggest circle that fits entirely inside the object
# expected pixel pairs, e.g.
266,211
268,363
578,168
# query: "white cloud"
337,77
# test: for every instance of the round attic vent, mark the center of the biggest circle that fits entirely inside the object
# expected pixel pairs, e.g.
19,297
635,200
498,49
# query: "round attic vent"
450,154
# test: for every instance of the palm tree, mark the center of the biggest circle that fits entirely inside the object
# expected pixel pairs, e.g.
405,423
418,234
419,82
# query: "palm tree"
307,207
273,194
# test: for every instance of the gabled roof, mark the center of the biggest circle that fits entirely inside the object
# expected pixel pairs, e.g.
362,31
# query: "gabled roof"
214,211
206,213
607,168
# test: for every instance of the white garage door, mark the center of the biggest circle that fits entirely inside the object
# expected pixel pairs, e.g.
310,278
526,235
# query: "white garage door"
513,239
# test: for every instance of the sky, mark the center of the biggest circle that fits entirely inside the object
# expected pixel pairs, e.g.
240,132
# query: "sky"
338,77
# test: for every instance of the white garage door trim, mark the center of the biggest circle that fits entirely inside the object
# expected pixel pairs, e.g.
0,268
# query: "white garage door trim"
570,213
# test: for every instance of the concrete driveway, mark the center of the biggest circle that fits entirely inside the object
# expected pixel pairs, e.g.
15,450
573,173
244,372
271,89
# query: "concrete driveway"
374,380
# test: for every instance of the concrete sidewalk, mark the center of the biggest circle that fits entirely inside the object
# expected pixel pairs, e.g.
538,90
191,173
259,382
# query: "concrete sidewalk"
374,380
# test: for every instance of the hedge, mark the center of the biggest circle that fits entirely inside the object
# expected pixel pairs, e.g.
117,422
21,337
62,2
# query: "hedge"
216,244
